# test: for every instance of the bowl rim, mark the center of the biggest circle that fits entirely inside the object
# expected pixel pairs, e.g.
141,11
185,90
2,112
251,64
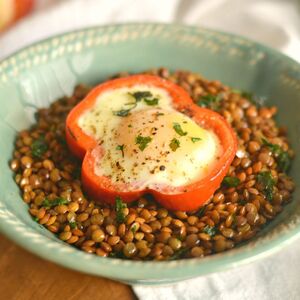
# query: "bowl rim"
141,270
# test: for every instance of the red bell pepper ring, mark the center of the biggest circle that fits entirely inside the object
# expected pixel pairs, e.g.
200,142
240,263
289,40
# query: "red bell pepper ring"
185,198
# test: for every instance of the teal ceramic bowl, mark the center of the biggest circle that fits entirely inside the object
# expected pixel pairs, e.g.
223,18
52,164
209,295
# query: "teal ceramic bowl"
39,74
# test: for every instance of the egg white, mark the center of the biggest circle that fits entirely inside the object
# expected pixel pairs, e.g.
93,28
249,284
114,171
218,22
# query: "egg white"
159,163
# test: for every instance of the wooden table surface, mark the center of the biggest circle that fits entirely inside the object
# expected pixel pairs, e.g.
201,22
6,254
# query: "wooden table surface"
24,276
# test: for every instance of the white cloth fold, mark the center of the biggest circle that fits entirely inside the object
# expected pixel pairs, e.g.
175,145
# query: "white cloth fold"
274,278
272,22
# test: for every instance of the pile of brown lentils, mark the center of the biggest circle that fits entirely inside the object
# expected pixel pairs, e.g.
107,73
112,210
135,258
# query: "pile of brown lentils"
254,191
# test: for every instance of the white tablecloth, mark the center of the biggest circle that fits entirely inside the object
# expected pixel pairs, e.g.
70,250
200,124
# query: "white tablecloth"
275,23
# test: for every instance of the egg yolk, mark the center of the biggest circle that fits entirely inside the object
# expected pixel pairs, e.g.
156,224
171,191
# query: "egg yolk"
152,145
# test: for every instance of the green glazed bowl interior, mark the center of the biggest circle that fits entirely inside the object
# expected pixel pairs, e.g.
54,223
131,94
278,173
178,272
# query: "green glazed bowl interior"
39,74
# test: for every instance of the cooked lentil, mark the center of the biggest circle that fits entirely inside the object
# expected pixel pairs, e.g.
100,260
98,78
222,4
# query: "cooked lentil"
48,176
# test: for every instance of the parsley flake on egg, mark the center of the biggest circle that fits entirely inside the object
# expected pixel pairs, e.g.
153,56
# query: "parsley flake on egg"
121,148
195,139
147,96
143,141
178,129
174,144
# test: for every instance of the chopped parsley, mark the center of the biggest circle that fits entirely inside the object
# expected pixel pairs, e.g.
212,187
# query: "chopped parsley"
201,211
142,141
231,181
119,210
73,224
139,96
268,182
118,254
133,229
210,230
243,202
121,148
210,101
283,161
174,144
151,102
250,96
35,219
195,139
273,147
39,147
247,95
61,140
125,112
282,157
179,253
122,112
55,202
178,129
146,96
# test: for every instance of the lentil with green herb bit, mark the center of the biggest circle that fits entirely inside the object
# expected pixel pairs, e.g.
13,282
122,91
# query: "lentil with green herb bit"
39,147
254,191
